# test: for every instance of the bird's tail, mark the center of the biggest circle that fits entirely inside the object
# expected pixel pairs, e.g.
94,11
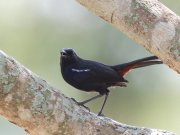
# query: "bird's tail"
126,67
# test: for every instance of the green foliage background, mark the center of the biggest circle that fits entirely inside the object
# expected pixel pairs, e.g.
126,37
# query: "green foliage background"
34,31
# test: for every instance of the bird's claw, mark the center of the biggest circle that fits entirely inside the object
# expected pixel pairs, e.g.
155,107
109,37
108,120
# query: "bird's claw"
81,104
101,114
74,100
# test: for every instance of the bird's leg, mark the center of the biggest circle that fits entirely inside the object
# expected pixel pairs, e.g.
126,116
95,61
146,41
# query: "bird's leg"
88,100
106,96
81,104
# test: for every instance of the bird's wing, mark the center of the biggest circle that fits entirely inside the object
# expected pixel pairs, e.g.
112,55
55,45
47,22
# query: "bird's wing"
94,72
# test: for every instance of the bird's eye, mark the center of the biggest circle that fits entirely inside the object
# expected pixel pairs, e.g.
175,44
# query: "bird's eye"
63,53
67,52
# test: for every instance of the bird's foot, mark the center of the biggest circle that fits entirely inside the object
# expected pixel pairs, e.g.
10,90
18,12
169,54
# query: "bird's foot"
74,100
101,114
81,104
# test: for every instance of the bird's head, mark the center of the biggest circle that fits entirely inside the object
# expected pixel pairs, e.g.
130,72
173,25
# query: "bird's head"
68,55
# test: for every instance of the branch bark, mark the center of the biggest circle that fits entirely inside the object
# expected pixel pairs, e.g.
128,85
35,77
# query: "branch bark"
31,103
148,22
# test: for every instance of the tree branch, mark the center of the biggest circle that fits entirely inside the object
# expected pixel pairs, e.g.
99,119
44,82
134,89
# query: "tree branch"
148,22
31,103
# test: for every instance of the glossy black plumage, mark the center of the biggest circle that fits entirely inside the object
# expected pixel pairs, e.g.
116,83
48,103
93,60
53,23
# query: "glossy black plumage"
89,75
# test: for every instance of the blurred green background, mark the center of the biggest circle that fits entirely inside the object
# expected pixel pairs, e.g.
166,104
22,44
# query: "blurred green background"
34,31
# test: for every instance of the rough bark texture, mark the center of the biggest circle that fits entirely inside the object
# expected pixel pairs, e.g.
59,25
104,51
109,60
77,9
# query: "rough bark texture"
31,103
148,22
40,109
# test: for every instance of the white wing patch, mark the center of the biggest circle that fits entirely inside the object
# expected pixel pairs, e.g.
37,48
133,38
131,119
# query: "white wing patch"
80,70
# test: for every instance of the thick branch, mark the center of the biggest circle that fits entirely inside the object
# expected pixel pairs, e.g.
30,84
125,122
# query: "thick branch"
40,109
148,22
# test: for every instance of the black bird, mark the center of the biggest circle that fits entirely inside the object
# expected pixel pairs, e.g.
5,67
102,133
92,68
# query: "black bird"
91,76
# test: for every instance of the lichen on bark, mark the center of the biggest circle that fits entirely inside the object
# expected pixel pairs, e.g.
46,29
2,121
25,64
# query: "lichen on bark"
148,22
40,109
